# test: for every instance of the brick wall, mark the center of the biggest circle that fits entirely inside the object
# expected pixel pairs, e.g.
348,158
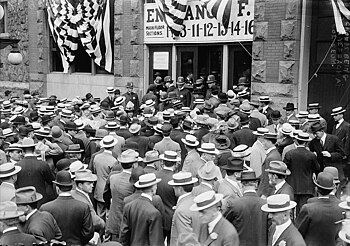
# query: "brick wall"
275,50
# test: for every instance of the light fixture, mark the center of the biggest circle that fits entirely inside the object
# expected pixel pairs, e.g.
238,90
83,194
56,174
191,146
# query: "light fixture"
2,12
15,57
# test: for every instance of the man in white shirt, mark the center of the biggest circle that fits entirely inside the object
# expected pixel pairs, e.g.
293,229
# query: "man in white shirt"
282,231
8,178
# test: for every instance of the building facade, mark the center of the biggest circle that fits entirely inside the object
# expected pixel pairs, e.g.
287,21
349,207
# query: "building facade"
279,45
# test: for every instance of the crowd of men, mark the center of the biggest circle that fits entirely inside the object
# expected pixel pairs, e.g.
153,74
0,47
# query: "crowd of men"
185,165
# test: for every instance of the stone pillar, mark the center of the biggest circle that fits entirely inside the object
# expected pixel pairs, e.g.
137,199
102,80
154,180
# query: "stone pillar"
275,51
128,46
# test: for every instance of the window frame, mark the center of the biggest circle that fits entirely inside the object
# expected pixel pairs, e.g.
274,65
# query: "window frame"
5,18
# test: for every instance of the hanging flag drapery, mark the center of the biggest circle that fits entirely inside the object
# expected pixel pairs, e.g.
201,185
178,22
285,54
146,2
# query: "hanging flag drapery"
220,9
89,23
339,9
174,12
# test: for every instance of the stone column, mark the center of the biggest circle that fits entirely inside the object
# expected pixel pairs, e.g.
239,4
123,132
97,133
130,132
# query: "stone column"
275,51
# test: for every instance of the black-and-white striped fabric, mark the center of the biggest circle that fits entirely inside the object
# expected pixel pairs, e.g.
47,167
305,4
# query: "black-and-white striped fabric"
89,23
220,9
174,12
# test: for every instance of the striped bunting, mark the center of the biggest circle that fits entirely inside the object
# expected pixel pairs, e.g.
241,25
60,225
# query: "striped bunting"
220,9
174,12
89,23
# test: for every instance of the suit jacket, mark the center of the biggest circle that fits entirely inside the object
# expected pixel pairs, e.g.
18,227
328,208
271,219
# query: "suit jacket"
246,216
124,132
285,142
102,165
316,221
257,157
192,163
7,192
43,226
156,201
256,114
302,164
226,234
244,136
35,173
97,221
168,144
291,237
264,187
286,189
155,139
254,123
271,128
288,148
228,190
109,101
343,133
120,188
267,112
142,224
184,220
333,146
199,133
15,237
73,218
201,188
143,143
166,192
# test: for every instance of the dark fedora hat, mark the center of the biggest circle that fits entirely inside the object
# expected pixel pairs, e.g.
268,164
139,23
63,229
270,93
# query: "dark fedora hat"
234,164
275,115
248,176
63,178
289,107
27,195
222,142
70,126
45,119
317,127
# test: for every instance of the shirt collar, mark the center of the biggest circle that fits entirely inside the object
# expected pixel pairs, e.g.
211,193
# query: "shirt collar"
323,138
182,196
213,223
209,185
127,171
265,108
13,228
30,214
270,149
280,229
147,196
65,194
340,121
13,161
168,168
108,151
249,190
279,186
29,154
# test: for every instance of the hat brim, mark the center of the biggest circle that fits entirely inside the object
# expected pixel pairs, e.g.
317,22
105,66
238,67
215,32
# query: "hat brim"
323,187
340,112
42,135
302,139
161,156
9,135
93,178
137,184
287,173
17,170
63,184
28,146
74,151
128,160
38,198
11,215
189,144
215,152
226,167
115,142
265,208
193,181
218,198
150,161
13,148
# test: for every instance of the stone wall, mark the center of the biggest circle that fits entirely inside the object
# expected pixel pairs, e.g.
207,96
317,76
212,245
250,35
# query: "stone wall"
128,46
276,50
16,77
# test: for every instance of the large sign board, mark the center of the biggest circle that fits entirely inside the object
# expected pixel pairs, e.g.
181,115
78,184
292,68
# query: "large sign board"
200,26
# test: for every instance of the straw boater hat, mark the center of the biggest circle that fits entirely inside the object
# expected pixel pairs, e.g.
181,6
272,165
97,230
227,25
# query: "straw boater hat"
261,131
85,175
108,142
315,105
264,99
147,180
134,128
182,178
119,101
13,147
110,90
8,210
206,200
278,203
170,156
8,169
303,136
27,195
286,129
112,125
338,110
208,148
190,140
8,132
302,114
278,167
241,151
313,118
77,165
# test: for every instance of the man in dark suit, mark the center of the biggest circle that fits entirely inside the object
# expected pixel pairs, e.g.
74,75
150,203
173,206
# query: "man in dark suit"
41,225
316,221
34,172
286,139
282,231
166,191
302,164
272,154
342,130
123,130
265,107
277,172
73,217
215,229
246,109
9,219
328,148
244,135
142,222
111,97
246,215
142,141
